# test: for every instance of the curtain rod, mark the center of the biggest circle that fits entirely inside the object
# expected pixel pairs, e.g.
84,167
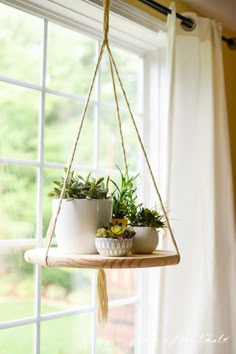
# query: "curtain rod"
187,23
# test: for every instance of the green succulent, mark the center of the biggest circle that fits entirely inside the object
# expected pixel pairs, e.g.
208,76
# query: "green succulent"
115,231
78,187
148,217
102,232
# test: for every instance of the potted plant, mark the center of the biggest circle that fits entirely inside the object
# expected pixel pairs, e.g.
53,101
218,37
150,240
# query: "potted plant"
146,223
124,199
85,207
115,240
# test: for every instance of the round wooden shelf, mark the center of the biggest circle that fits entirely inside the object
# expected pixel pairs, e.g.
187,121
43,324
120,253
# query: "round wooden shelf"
57,258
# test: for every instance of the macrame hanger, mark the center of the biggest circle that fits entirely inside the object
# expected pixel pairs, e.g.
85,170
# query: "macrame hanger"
101,280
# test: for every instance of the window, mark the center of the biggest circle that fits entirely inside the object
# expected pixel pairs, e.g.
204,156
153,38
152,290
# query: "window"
45,72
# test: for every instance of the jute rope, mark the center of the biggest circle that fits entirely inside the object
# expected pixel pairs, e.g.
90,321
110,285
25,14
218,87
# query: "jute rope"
101,280
118,113
106,6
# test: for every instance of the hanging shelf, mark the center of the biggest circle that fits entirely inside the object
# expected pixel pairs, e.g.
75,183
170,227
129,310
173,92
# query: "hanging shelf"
56,258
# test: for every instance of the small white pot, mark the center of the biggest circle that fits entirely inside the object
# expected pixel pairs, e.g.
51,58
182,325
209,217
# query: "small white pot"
78,222
145,240
113,247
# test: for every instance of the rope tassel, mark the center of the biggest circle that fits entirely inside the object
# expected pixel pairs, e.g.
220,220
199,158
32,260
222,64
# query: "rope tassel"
102,297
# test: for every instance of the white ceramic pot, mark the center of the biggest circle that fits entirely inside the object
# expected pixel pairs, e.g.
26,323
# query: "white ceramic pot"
78,222
145,240
113,247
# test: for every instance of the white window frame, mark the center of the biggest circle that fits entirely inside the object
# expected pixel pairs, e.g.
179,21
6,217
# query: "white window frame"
132,35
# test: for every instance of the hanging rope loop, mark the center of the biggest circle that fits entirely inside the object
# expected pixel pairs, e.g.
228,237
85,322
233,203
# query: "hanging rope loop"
114,71
106,4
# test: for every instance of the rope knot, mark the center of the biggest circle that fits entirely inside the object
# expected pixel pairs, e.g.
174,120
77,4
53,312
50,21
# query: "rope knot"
106,4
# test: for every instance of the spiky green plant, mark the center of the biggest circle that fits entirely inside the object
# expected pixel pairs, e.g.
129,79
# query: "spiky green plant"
115,230
124,196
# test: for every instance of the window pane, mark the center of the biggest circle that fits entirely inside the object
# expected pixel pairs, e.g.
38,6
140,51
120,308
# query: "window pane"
18,202
20,38
19,122
64,288
17,340
118,335
69,335
120,283
128,68
62,124
71,60
16,285
111,152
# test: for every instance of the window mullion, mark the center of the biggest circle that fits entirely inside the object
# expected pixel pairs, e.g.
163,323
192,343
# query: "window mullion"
40,186
41,138
96,161
97,111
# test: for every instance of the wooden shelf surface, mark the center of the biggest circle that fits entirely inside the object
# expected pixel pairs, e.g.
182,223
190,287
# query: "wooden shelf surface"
56,258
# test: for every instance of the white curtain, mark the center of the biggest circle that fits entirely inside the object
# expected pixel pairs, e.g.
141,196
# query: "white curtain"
198,297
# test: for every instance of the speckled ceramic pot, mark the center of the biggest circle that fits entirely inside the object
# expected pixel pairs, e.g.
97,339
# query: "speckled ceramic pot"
113,247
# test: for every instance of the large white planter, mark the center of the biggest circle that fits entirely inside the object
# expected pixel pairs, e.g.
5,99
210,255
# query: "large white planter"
145,240
78,222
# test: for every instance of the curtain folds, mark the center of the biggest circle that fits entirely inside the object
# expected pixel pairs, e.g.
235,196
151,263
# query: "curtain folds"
197,307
